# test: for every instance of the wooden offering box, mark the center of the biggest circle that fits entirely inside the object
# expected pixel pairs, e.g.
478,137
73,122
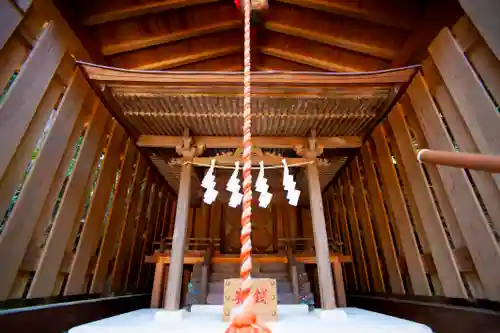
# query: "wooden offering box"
266,298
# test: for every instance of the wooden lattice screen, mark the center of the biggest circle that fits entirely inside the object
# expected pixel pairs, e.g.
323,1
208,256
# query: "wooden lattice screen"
81,205
423,229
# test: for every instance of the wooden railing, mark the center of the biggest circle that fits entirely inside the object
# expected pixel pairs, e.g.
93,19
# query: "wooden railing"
192,244
297,245
306,245
418,228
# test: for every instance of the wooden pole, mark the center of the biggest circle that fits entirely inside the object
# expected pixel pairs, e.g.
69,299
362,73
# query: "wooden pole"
179,239
320,239
488,163
157,284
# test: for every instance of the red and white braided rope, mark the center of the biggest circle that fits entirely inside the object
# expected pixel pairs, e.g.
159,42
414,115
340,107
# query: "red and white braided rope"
246,215
246,321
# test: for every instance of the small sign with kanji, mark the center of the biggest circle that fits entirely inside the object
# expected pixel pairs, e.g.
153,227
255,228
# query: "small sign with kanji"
264,291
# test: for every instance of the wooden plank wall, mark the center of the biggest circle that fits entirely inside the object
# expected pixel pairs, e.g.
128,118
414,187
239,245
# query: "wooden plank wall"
428,230
79,205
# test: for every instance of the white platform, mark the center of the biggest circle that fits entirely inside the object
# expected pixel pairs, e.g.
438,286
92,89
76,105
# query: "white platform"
291,319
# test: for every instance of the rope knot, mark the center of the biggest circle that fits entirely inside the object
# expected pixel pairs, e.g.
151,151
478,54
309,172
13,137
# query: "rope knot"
246,322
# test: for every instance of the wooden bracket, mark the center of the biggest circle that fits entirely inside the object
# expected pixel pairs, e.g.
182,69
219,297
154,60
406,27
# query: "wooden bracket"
313,150
186,149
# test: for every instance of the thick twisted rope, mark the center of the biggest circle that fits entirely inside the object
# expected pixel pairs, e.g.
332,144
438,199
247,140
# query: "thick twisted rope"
246,320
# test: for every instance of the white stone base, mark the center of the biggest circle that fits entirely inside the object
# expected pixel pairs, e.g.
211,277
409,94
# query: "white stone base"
291,319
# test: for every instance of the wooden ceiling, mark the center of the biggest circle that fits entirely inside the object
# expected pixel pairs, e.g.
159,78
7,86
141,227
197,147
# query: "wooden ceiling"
298,35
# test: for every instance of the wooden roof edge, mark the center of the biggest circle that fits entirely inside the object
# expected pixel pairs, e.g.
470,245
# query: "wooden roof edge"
110,105
385,109
106,74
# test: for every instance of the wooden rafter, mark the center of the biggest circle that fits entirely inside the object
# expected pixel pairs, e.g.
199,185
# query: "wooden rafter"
438,14
160,141
174,25
227,63
270,63
141,9
142,43
384,15
354,35
181,52
318,54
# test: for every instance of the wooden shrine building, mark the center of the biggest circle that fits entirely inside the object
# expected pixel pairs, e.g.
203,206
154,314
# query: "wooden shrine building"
113,111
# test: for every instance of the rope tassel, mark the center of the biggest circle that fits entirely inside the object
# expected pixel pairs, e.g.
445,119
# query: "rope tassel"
246,321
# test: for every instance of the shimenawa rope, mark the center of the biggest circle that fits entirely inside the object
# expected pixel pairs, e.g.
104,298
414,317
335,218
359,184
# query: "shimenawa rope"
246,320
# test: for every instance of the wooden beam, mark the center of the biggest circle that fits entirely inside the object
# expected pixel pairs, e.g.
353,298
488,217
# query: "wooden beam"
196,257
462,258
90,234
176,25
356,241
473,223
437,15
294,29
10,16
340,206
306,60
227,63
381,222
353,35
144,42
318,54
401,217
70,207
163,141
115,220
100,75
433,229
366,228
138,233
19,228
12,56
383,15
127,233
270,63
230,160
124,12
471,97
22,99
484,15
182,52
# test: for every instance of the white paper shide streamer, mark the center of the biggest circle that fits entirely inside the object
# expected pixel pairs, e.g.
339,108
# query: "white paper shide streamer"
292,194
209,184
233,186
262,187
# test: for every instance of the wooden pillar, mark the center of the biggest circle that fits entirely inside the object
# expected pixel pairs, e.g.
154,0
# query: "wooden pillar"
292,267
320,239
339,282
157,284
205,273
179,239
204,284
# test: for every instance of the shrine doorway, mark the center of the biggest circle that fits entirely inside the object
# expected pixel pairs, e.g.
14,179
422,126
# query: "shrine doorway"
263,230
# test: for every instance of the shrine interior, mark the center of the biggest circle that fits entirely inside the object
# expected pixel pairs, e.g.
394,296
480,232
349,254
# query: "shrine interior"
112,113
